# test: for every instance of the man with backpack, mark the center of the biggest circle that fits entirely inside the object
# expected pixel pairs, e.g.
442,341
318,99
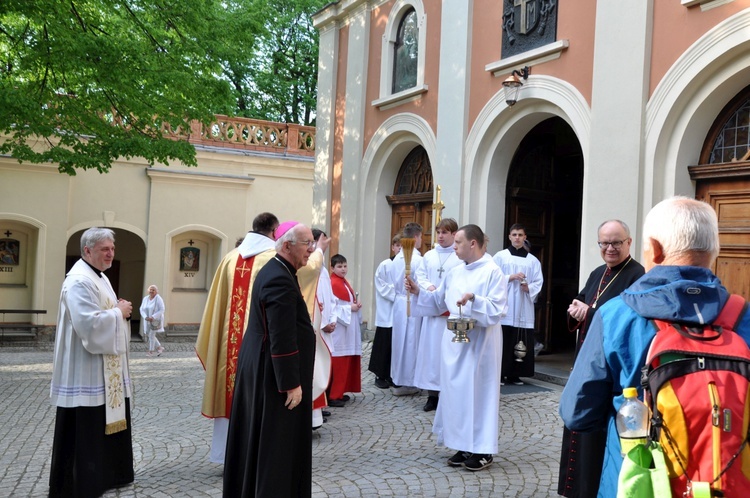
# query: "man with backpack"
680,245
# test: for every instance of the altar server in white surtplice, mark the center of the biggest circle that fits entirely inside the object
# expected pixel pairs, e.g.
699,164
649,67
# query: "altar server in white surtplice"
405,333
435,265
525,281
467,415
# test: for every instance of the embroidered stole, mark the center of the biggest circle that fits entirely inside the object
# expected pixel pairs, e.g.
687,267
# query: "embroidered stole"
236,328
114,371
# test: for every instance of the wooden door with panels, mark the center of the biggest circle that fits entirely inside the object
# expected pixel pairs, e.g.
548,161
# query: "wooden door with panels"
722,179
412,196
544,192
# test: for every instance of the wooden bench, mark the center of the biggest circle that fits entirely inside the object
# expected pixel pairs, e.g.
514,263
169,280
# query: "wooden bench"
19,330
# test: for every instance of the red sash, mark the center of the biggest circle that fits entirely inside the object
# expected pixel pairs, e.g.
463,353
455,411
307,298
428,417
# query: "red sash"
239,302
340,286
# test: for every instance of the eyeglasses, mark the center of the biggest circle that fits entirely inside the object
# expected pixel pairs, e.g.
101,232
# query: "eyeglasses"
616,244
310,243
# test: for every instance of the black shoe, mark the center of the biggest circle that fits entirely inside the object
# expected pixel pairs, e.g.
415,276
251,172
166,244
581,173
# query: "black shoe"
325,413
478,462
382,383
345,397
431,405
459,458
515,381
336,403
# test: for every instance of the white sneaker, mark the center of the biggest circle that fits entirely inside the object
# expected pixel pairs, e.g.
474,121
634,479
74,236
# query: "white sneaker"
405,390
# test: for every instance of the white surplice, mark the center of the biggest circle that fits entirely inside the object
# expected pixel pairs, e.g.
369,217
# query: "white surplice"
434,268
89,326
520,303
326,300
347,336
467,416
405,333
385,294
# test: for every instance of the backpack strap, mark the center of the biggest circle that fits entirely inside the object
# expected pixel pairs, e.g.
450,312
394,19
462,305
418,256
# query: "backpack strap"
732,313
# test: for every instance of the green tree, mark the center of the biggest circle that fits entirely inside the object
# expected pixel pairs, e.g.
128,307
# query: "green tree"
84,82
280,83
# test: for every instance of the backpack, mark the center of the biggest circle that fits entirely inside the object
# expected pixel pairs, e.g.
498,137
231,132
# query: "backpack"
697,383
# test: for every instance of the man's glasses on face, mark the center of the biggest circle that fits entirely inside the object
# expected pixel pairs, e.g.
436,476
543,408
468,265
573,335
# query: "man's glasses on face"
616,244
310,243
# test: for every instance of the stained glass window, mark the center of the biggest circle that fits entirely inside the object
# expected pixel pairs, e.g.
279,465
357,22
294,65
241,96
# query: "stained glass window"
415,175
733,141
406,52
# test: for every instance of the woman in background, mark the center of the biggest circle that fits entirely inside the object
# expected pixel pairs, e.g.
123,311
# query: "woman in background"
152,312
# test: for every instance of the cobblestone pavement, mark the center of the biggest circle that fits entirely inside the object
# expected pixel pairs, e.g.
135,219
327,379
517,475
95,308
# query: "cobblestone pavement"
377,445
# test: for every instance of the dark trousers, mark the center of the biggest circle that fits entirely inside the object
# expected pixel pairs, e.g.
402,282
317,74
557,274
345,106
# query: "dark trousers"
380,356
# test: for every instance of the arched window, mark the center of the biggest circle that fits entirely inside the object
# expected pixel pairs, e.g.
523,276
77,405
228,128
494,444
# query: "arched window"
402,62
729,136
406,52
415,175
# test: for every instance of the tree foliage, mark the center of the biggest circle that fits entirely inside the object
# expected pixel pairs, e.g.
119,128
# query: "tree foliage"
280,83
84,82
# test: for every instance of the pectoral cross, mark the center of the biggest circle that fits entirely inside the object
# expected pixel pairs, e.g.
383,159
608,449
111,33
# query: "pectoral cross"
440,271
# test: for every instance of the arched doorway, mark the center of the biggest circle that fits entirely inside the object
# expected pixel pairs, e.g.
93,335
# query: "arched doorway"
544,193
126,273
412,195
723,180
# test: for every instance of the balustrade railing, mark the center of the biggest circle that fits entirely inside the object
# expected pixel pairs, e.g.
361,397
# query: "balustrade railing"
250,134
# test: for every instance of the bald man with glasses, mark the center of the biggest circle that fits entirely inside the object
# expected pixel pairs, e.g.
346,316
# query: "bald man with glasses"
582,453
607,281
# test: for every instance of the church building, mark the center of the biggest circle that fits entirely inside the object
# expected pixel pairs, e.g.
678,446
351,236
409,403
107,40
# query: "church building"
556,115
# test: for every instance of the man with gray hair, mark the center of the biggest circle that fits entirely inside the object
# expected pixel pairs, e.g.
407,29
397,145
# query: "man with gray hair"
607,281
269,445
680,244
92,450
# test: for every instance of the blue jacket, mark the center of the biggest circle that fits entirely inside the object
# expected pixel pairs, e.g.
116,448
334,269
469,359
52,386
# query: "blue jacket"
617,343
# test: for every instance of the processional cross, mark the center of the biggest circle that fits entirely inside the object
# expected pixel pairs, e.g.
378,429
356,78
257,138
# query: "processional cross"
438,207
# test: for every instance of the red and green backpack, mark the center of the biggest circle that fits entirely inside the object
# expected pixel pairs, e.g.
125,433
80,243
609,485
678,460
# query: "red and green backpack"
697,384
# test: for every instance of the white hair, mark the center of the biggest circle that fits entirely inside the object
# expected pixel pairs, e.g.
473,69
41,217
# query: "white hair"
681,225
289,236
94,235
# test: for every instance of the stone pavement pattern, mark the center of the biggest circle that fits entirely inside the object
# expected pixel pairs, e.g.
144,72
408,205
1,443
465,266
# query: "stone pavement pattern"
377,445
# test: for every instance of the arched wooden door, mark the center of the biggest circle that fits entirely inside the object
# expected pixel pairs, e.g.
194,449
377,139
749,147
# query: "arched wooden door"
544,193
412,195
723,180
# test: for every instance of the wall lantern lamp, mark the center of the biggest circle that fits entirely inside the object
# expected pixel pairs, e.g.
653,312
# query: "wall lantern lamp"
513,84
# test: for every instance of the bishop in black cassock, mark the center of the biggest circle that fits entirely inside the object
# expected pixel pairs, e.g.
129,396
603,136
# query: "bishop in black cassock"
269,446
582,453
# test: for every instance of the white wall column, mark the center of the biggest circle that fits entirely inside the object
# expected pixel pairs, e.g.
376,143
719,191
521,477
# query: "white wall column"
613,174
351,226
325,124
453,105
